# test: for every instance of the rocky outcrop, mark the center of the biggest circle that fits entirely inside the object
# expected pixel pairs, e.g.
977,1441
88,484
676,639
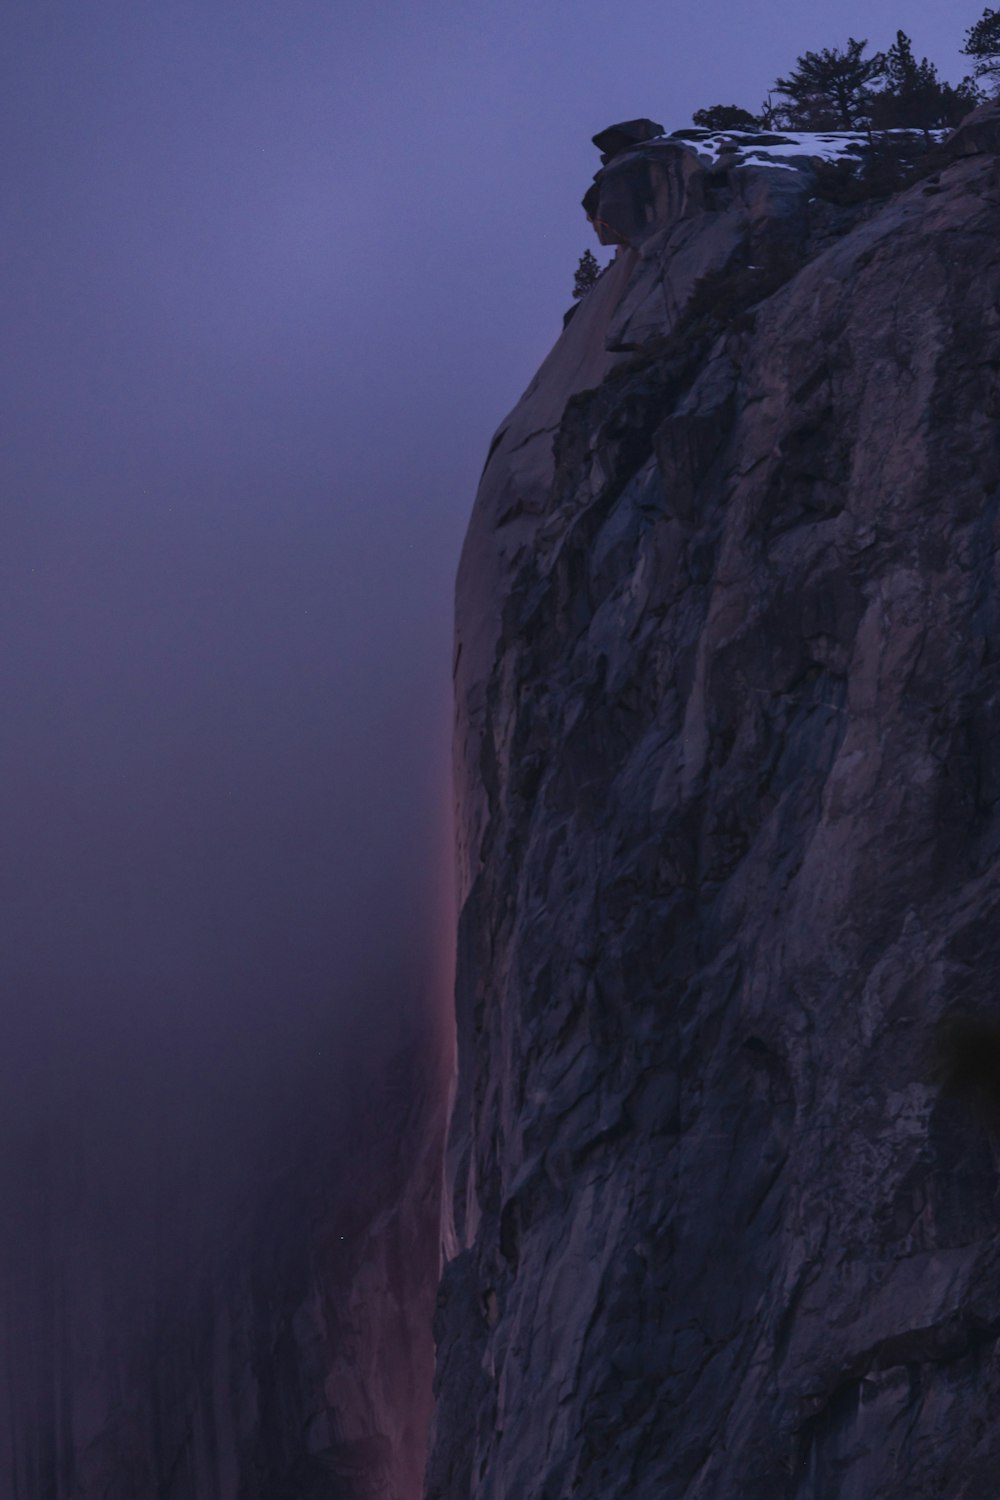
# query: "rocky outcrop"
624,136
728,698
978,133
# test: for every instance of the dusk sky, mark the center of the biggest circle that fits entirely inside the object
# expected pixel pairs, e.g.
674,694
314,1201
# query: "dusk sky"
273,271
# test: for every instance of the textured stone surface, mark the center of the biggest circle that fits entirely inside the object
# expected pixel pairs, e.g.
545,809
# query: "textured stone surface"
978,132
644,189
625,135
728,697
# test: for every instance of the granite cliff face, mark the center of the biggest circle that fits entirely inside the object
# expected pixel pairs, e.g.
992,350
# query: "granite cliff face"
728,780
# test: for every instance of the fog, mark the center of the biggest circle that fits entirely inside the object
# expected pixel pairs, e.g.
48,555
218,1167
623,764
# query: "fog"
273,273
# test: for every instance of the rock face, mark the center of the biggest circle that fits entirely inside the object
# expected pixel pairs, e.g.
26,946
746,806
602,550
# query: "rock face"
728,780
275,1347
623,137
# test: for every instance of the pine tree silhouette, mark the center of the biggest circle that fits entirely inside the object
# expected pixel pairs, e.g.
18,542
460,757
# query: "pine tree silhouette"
726,117
587,272
914,97
834,83
982,42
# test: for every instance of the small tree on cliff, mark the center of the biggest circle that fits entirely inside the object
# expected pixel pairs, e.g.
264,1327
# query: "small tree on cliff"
587,272
982,42
831,88
726,117
912,90
914,97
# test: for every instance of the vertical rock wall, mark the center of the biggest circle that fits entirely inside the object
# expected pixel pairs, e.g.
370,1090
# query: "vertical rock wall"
728,697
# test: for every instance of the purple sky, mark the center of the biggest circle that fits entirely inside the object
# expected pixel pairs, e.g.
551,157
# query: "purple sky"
273,271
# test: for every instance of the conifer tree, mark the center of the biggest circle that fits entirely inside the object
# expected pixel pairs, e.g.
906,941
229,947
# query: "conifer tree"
587,272
726,117
831,86
914,97
905,77
982,42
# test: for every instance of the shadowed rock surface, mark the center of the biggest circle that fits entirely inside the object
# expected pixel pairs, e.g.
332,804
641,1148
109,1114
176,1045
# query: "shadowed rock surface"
728,699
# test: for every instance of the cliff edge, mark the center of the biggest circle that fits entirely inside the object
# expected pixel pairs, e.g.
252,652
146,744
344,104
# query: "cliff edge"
728,784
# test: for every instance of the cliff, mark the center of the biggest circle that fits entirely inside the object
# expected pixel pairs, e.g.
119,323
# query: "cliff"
728,785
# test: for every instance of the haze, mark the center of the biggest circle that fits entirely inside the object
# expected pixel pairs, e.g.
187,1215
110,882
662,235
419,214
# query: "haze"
273,273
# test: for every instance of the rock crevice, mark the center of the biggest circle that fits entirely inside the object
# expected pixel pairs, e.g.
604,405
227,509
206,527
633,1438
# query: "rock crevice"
729,825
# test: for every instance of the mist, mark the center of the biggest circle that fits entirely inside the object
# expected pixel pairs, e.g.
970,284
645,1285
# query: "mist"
273,274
